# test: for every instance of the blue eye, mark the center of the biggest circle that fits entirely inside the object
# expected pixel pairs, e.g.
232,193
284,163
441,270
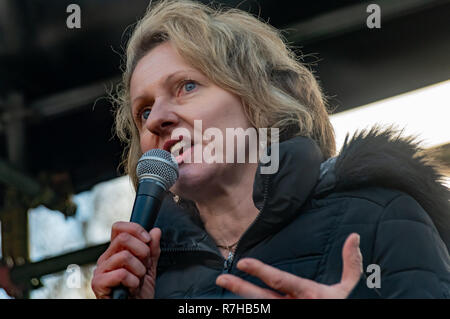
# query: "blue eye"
189,86
146,113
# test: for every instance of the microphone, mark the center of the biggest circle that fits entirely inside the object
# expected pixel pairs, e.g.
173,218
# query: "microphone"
157,171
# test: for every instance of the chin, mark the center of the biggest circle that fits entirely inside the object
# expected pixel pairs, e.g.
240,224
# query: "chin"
192,180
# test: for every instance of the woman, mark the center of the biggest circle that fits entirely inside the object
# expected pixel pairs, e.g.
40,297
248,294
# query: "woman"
308,230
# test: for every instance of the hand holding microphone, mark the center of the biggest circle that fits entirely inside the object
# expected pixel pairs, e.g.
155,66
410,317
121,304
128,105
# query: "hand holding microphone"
129,264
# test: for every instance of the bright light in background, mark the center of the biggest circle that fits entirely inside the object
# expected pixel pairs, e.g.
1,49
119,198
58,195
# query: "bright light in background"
424,113
98,209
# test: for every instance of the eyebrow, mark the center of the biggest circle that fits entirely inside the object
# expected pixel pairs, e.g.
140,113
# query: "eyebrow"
166,80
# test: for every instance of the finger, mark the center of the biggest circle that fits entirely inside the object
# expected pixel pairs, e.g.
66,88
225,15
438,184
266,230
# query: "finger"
155,249
352,262
126,241
123,259
102,284
132,228
278,279
245,289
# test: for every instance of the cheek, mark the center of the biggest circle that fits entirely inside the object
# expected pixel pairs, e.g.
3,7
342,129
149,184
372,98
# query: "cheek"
147,141
232,114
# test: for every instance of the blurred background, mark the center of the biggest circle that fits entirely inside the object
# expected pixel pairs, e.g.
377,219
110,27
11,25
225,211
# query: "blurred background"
60,186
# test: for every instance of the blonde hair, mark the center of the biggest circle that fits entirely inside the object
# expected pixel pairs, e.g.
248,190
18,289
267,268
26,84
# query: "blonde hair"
240,54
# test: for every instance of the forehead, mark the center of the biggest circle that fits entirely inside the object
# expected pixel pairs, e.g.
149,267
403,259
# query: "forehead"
155,66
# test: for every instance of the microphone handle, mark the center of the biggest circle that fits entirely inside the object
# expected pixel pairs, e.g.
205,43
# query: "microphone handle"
145,210
120,292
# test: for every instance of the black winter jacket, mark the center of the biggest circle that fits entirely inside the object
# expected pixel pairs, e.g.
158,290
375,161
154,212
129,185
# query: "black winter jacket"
377,187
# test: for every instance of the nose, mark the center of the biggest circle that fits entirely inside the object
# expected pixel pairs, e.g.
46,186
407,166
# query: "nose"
161,119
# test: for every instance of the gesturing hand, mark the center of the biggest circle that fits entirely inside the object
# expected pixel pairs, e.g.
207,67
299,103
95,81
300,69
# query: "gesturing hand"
294,287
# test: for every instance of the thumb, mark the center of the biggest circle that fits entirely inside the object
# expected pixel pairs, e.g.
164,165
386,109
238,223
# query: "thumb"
352,262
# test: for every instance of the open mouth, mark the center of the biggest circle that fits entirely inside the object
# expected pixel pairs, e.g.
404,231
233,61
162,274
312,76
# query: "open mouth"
177,146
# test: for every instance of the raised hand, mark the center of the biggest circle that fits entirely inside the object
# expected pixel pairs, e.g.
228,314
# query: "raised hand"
293,287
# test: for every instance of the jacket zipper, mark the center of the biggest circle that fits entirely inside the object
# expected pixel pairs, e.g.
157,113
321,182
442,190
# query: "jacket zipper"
229,262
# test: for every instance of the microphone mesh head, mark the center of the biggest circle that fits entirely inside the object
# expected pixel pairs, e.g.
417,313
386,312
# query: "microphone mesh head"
159,165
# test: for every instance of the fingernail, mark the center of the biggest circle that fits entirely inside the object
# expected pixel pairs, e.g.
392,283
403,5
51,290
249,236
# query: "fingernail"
357,240
146,236
357,244
222,281
243,264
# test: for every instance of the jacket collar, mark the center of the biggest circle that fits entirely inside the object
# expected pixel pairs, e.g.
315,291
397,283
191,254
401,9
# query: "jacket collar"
280,195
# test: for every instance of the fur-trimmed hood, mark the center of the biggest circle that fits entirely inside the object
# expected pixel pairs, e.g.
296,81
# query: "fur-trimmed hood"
384,158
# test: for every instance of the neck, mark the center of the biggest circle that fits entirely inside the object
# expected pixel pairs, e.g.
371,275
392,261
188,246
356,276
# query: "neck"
227,214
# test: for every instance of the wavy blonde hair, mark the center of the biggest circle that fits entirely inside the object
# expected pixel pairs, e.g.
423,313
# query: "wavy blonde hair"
240,54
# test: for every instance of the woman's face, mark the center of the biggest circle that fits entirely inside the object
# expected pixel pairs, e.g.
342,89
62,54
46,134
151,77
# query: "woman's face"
167,94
